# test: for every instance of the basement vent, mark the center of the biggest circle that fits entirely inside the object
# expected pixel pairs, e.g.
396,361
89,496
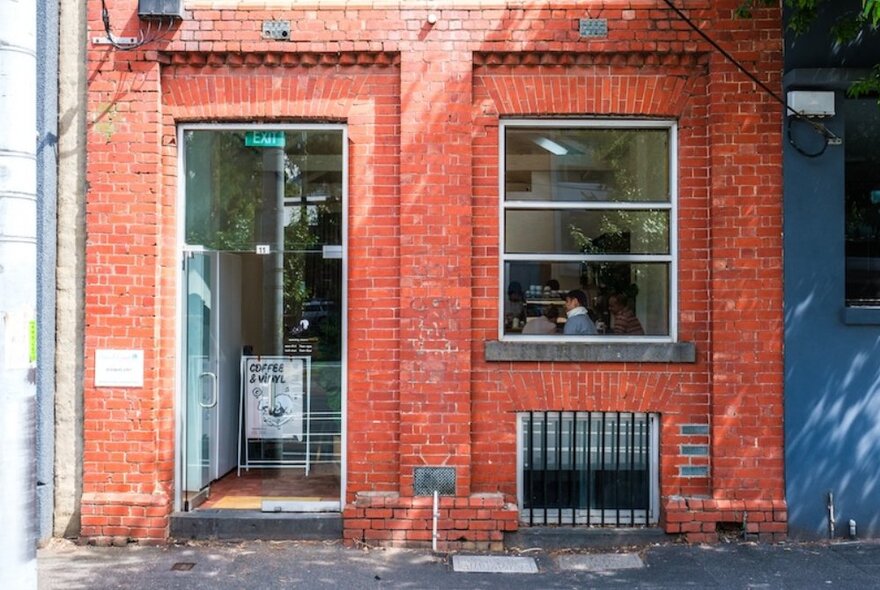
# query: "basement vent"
589,468
428,479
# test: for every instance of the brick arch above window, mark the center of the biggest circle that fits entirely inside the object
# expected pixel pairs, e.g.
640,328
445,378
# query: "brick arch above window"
200,94
624,87
639,388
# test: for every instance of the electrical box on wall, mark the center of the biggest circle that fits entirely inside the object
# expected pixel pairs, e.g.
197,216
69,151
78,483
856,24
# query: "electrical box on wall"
812,103
156,9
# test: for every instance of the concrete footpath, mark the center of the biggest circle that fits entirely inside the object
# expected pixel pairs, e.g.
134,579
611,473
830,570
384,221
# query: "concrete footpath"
300,564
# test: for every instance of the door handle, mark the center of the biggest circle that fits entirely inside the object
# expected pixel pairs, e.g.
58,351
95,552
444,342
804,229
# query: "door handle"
213,401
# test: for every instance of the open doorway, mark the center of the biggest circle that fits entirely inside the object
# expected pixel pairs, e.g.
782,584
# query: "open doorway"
262,387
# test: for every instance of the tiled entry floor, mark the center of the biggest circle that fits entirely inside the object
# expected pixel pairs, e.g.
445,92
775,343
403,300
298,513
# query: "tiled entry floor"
246,492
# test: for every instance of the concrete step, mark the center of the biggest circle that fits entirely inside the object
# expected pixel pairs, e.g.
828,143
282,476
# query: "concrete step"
254,524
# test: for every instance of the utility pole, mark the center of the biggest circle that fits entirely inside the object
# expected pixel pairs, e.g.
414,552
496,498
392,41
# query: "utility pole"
47,246
18,262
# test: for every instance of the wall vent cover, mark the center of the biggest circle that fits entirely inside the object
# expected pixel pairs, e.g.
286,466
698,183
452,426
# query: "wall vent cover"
428,479
593,27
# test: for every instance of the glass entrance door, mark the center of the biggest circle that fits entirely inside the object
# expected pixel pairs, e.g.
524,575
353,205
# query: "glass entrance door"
212,340
263,301
201,395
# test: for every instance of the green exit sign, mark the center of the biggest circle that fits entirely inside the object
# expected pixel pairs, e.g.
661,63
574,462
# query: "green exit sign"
267,139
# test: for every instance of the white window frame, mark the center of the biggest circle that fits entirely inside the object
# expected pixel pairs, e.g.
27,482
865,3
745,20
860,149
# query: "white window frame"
671,205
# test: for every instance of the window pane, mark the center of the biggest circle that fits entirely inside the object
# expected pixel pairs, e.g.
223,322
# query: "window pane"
862,187
641,290
547,231
556,164
239,196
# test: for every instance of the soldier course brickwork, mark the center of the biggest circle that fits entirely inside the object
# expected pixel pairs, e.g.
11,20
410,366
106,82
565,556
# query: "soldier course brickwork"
422,103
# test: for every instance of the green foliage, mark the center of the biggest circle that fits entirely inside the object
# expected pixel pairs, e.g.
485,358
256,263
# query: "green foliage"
871,11
867,86
803,14
328,379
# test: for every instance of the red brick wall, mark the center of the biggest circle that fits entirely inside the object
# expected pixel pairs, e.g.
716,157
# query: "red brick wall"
675,89
364,91
474,523
422,103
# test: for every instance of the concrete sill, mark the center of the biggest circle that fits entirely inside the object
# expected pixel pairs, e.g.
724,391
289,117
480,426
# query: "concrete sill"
591,352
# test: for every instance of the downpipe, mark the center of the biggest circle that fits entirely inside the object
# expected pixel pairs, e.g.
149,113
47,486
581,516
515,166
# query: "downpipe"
831,520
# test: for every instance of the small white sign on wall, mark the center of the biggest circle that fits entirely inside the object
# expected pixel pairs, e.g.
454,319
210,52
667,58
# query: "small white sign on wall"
119,368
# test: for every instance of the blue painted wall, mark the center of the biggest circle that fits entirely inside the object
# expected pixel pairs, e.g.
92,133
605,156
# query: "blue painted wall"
832,355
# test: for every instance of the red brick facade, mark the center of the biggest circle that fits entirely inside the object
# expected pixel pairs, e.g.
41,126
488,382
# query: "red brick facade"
422,104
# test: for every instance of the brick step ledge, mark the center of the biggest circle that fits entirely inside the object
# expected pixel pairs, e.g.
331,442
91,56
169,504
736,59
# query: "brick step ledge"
582,537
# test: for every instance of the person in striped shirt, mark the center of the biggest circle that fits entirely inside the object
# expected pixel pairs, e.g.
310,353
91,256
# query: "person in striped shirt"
623,320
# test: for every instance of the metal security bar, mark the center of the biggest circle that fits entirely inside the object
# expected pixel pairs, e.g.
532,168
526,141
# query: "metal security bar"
588,468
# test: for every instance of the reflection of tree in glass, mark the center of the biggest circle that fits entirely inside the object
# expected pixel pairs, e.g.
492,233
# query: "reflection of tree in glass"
327,378
225,190
297,236
226,181
611,277
862,219
627,154
226,204
313,190
625,231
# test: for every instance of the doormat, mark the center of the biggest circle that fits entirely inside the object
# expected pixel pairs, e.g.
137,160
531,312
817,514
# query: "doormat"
256,502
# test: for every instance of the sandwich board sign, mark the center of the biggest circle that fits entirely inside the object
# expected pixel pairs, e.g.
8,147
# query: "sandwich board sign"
274,390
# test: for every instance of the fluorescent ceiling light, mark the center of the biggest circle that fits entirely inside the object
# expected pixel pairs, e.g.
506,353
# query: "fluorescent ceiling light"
551,146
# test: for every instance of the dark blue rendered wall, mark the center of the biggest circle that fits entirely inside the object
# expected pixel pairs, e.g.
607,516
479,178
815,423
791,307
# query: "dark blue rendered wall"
832,369
832,359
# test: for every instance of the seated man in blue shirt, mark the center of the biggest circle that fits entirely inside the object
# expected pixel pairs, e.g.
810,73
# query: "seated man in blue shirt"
578,322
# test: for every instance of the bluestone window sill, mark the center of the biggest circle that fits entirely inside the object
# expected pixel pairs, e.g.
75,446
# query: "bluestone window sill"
591,352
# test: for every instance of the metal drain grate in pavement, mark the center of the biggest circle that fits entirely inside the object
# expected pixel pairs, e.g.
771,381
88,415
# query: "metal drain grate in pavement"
599,562
494,564
182,566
